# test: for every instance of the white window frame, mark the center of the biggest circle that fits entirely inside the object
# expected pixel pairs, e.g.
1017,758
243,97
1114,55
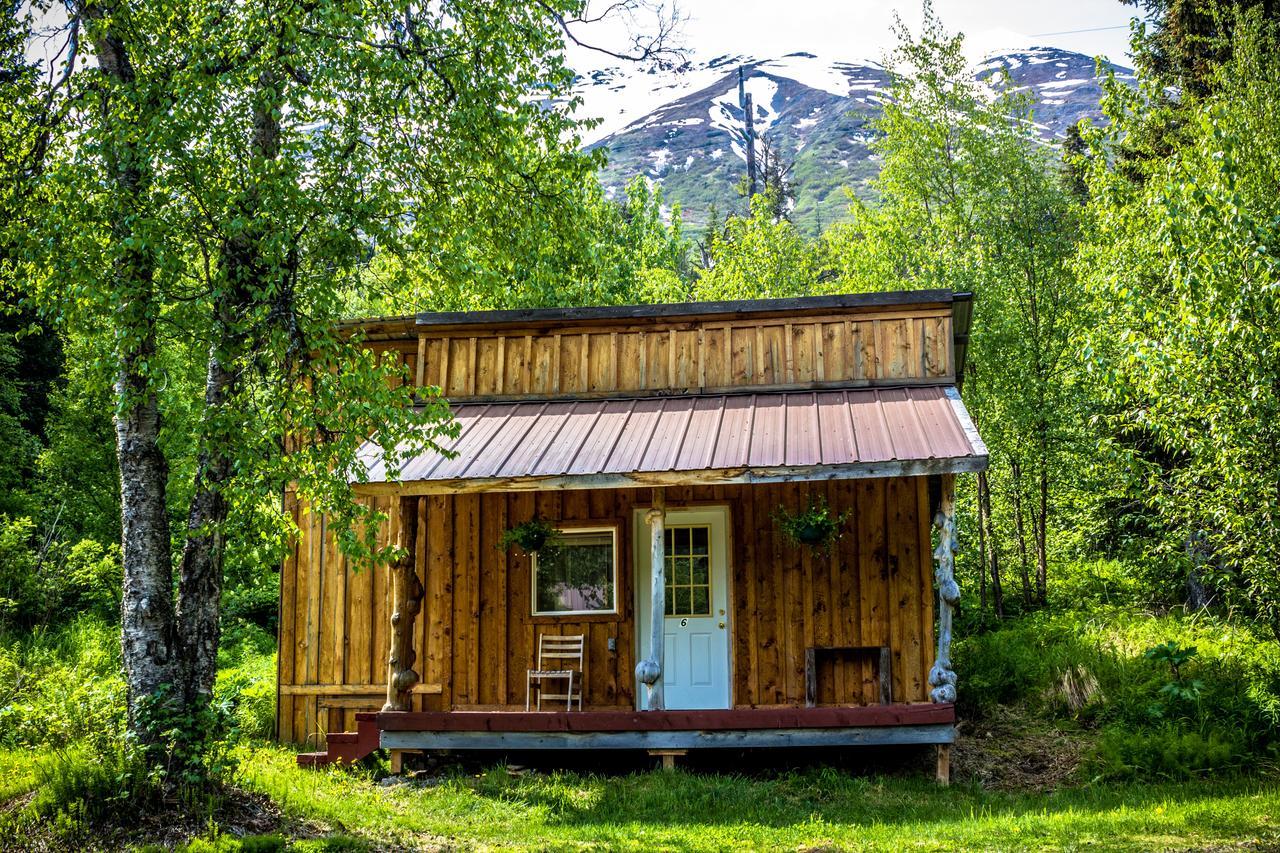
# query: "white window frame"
612,530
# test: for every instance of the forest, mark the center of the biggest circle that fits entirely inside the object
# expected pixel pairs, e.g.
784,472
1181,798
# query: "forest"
199,192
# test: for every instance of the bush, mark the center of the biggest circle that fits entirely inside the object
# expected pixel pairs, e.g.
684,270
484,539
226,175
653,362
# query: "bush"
62,686
1173,695
65,579
247,692
1166,752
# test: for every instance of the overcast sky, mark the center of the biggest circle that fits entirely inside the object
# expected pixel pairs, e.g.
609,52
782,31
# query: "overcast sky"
861,29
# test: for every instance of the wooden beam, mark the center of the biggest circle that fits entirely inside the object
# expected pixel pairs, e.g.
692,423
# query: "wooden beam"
748,739
406,591
944,764
351,689
855,716
660,479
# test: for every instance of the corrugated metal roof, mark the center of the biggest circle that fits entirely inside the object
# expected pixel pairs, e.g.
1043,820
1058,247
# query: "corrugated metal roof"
763,437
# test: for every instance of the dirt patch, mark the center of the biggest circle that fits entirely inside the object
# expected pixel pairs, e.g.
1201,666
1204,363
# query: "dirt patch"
236,813
1009,751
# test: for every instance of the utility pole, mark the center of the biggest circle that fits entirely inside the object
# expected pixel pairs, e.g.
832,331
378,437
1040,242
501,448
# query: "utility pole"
749,132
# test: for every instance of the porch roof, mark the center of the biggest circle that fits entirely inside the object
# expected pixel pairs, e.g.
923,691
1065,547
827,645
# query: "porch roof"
689,440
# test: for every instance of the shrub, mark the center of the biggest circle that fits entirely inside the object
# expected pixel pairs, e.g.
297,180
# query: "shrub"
247,692
1174,695
62,686
1166,752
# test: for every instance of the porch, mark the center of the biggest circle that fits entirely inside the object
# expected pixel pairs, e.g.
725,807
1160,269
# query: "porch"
659,732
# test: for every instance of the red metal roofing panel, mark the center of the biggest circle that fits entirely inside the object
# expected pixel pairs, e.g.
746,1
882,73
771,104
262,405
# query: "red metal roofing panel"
596,448
870,430
803,445
835,428
746,437
634,440
734,439
668,435
701,437
768,431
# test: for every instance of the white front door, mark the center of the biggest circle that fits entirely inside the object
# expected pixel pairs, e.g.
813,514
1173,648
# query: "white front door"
695,672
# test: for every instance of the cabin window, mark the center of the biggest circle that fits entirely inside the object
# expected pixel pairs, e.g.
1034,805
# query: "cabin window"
576,573
689,571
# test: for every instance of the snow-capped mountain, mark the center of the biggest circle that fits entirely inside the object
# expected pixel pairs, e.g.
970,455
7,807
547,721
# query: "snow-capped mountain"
683,128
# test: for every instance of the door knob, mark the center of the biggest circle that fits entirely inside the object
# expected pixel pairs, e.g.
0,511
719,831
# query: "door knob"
721,624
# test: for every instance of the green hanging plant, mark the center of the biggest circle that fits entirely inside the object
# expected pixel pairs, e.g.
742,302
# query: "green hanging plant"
531,536
817,525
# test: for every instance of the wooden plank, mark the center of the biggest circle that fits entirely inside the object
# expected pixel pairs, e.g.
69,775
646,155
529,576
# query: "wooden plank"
488,368
757,739
746,624
315,591
873,572
370,689
924,537
744,719
380,620
357,625
439,599
495,508
420,374
489,605
473,368
336,578
286,641
769,552
900,527
520,650
848,593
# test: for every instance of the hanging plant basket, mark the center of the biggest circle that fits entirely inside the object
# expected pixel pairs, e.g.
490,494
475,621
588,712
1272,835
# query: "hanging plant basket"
531,536
816,526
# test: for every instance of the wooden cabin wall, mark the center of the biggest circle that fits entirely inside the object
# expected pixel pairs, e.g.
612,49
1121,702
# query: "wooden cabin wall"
894,346
476,637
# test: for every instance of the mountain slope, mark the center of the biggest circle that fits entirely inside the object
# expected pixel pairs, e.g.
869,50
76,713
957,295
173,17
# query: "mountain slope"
684,129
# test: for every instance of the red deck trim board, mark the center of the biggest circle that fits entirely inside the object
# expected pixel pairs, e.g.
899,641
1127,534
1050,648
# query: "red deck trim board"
634,721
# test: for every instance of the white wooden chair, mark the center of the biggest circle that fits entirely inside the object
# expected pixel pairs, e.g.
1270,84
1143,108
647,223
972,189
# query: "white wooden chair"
555,656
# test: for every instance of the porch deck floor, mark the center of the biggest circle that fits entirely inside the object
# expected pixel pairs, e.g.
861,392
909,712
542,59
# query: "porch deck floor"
623,729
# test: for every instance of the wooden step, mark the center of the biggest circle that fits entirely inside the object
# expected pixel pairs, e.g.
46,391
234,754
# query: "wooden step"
345,747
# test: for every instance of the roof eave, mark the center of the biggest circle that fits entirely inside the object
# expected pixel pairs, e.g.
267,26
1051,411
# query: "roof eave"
705,477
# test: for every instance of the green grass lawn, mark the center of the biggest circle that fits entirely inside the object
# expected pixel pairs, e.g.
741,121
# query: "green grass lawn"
820,808
810,809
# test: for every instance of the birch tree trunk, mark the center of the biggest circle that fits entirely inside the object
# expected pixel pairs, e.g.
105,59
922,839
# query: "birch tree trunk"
997,588
245,271
148,639
1020,526
1042,536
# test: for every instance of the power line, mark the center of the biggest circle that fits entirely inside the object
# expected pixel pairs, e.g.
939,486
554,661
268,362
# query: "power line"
1072,32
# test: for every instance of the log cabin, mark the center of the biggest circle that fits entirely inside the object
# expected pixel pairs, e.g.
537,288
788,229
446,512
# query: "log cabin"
663,449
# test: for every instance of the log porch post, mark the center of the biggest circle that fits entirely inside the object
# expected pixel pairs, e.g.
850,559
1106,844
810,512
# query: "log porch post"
942,677
406,597
649,670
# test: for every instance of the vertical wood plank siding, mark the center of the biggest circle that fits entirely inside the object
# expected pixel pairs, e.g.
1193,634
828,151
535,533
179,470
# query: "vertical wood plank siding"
476,636
890,347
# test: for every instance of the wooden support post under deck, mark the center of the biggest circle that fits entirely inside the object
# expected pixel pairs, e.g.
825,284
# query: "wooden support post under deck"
406,596
944,764
649,670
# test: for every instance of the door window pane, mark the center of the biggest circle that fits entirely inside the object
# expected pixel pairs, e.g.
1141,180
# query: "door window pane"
575,573
688,570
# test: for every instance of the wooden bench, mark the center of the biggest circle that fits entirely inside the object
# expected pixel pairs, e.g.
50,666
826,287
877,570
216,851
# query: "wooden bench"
884,669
